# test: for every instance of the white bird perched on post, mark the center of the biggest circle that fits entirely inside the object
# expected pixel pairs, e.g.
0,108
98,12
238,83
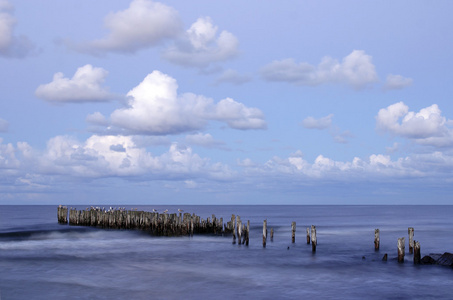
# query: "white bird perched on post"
165,211
180,210
154,210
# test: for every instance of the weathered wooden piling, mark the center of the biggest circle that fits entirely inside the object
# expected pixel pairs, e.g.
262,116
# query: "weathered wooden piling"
248,233
293,232
233,221
401,248
239,227
410,231
272,234
62,214
313,238
264,233
417,256
308,235
376,239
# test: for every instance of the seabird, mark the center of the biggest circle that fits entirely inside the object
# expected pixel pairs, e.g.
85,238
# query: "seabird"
165,211
180,210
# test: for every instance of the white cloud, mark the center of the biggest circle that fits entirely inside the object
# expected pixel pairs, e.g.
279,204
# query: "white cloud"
155,108
119,156
322,123
355,70
395,82
427,127
144,24
8,158
97,119
205,140
233,77
84,86
200,46
11,45
238,116
3,125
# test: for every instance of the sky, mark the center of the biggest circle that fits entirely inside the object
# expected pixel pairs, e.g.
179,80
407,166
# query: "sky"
226,102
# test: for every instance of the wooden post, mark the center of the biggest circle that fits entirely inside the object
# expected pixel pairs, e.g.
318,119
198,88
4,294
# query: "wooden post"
272,234
410,231
239,226
248,232
376,239
313,238
264,233
308,235
401,242
293,232
417,256
233,219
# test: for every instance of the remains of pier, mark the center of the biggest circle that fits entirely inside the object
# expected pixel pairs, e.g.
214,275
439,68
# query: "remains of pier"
157,224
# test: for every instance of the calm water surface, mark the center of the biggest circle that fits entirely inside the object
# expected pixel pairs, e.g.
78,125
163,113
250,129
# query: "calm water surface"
40,259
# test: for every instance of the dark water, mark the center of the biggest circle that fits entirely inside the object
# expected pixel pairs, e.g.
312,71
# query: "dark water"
40,259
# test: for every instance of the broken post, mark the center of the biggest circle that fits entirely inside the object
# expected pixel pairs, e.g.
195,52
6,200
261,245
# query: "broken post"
264,233
410,231
272,234
293,231
308,235
313,238
401,248
417,256
376,239
247,232
233,221
239,226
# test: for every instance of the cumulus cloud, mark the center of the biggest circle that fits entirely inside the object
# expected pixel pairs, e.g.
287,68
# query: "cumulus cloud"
155,108
322,123
84,86
11,45
205,140
396,82
233,77
119,156
355,70
427,127
3,125
97,119
200,46
144,24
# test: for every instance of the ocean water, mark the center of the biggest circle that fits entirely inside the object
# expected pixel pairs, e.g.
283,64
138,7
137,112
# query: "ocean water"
41,259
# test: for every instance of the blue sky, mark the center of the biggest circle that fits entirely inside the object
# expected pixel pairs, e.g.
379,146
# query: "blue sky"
226,102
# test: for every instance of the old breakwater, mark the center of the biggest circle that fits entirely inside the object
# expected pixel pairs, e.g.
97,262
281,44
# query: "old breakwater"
159,224
173,224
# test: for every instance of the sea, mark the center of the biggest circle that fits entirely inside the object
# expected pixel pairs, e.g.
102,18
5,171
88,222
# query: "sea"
41,259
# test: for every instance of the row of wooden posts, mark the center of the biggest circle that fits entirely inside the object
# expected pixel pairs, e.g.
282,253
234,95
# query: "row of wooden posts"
414,246
157,224
186,224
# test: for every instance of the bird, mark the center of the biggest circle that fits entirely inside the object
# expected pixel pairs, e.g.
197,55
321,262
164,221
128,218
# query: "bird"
180,210
165,211
154,210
